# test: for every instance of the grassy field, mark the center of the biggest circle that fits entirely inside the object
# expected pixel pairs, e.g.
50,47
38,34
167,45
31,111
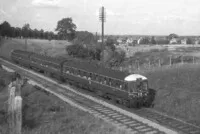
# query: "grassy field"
46,114
177,87
178,91
51,48
131,50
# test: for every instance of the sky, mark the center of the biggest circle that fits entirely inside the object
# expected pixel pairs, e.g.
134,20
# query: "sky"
137,17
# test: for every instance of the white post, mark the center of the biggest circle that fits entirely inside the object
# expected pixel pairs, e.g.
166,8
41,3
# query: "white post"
182,59
170,60
149,64
18,114
193,59
11,108
159,62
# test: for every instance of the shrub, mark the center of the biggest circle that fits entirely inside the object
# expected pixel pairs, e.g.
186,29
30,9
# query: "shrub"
117,59
80,51
154,50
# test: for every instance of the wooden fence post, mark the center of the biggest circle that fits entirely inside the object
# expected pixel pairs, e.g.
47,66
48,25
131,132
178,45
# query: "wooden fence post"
149,64
129,68
182,59
120,68
193,59
159,64
138,65
18,114
11,109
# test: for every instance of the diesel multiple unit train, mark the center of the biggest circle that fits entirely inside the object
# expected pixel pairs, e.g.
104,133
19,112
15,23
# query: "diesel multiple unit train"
128,89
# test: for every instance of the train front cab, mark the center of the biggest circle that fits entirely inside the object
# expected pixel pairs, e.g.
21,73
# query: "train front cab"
137,89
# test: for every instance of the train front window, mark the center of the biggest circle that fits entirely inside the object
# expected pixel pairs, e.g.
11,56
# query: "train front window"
131,87
145,85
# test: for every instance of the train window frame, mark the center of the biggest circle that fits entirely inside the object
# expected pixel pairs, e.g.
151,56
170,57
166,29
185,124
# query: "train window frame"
109,81
90,75
113,84
105,80
96,77
79,72
125,86
93,76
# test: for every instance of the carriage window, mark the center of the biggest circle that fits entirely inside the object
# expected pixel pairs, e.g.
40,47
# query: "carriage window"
113,84
100,79
126,86
90,76
76,71
72,70
105,80
109,81
93,77
79,72
86,74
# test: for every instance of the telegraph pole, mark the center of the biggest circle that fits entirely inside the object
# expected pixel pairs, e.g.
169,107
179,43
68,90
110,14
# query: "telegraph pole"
102,18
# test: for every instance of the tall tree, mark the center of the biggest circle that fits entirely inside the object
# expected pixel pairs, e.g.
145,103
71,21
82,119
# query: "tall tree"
41,34
189,40
5,29
153,41
26,30
171,36
84,37
66,29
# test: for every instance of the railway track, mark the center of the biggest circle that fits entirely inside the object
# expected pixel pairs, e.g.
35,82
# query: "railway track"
132,122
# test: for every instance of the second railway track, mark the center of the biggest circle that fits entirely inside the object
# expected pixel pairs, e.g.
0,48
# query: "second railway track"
125,119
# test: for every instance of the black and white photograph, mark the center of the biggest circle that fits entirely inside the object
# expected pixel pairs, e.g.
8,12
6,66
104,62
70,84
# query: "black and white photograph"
99,67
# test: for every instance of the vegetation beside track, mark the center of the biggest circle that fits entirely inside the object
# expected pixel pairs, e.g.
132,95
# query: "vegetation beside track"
178,91
177,86
44,113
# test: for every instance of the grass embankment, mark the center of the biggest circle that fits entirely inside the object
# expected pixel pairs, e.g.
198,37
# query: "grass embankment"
44,113
178,91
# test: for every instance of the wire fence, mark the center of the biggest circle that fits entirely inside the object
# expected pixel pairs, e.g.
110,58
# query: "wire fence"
149,64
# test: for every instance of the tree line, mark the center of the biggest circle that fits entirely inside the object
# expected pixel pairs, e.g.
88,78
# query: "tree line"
85,45
7,30
66,30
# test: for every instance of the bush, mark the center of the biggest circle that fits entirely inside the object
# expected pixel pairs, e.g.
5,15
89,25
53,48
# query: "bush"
80,51
117,59
154,50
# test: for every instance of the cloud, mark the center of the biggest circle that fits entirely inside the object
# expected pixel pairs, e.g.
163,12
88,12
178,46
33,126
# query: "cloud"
38,15
3,13
46,3
112,13
107,13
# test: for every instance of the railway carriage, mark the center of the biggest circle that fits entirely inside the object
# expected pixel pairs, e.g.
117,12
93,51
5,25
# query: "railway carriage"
129,89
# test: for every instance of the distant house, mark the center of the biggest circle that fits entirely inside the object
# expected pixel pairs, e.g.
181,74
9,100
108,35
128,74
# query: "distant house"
124,40
184,41
129,40
100,40
119,40
139,40
173,41
197,42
